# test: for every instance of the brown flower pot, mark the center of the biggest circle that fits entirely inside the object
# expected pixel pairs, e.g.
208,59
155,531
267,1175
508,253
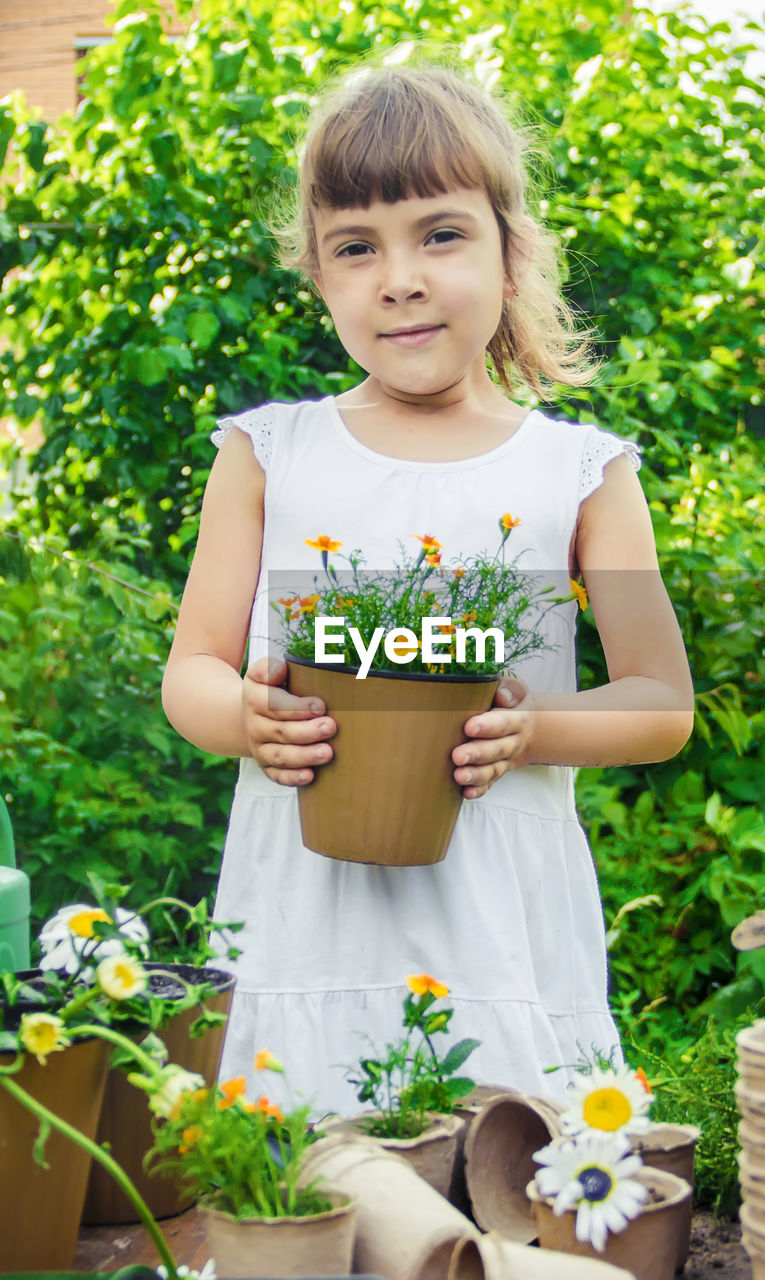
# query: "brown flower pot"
388,796
672,1148
125,1122
319,1244
494,1257
431,1154
499,1149
40,1208
405,1230
470,1106
647,1246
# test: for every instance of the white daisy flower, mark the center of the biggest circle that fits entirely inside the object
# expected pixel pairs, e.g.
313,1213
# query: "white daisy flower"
121,977
592,1174
168,1087
69,942
611,1099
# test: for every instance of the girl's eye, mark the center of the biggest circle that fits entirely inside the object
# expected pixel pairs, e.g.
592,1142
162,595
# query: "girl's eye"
356,249
443,235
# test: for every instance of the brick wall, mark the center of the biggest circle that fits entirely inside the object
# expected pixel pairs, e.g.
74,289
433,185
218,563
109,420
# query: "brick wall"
38,51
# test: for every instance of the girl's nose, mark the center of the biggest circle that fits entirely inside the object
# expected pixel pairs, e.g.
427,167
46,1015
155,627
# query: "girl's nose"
401,281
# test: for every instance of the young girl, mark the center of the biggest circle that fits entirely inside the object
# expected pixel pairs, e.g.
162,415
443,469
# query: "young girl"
413,228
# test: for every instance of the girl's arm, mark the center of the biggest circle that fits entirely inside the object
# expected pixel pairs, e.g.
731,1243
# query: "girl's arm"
645,712
204,694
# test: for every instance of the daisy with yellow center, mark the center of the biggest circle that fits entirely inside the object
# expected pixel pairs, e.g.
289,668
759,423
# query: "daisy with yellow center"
610,1099
77,937
82,923
121,977
594,1175
424,984
41,1034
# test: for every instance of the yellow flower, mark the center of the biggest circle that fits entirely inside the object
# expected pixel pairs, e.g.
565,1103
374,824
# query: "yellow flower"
579,592
82,923
41,1034
433,558
232,1090
609,1099
121,977
507,523
430,543
308,604
420,983
265,1061
190,1136
323,543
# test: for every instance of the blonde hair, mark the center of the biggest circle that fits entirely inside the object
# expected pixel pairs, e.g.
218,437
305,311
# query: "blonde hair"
389,133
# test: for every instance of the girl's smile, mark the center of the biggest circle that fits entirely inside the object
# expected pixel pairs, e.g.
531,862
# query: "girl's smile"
415,289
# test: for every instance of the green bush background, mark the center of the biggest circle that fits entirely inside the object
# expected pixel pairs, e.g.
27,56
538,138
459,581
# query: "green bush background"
141,300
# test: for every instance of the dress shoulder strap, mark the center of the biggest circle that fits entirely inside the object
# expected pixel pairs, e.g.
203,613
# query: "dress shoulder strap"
257,423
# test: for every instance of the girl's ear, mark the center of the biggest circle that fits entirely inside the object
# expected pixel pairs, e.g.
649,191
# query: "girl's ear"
521,249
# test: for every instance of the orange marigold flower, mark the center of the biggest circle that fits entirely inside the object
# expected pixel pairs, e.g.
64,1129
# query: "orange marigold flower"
579,592
266,1061
231,1090
308,604
507,523
469,617
270,1109
288,602
433,558
428,541
420,983
459,573
190,1136
643,1078
323,543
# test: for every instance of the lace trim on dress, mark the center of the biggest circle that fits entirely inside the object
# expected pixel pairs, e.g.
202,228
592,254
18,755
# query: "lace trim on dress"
257,424
601,448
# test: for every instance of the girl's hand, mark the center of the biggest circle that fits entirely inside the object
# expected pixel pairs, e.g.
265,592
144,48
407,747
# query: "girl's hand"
285,735
500,739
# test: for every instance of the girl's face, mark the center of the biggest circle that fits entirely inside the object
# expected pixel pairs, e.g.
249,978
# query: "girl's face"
415,288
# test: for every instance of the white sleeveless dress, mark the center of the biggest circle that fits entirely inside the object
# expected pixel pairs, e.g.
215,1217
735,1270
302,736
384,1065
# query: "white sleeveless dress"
511,920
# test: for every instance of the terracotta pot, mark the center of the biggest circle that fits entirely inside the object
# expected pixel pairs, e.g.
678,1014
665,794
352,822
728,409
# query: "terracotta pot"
470,1106
499,1147
405,1230
672,1148
647,1246
318,1245
125,1122
388,796
431,1154
494,1257
40,1208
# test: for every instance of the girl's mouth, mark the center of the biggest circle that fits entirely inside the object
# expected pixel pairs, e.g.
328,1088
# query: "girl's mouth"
414,337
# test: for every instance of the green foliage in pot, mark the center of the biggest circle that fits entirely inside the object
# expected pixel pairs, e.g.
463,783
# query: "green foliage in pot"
385,613
410,1080
240,1157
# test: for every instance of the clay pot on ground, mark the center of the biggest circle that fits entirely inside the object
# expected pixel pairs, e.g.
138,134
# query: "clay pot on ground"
405,1230
470,1106
499,1149
648,1245
286,1248
388,796
494,1257
431,1154
672,1148
125,1122
40,1208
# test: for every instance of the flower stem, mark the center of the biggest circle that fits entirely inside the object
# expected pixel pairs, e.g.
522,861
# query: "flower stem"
143,1059
103,1158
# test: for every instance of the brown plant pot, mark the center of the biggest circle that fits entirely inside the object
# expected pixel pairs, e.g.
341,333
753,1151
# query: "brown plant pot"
431,1154
494,1257
647,1246
125,1122
672,1148
499,1149
40,1208
320,1244
405,1230
388,795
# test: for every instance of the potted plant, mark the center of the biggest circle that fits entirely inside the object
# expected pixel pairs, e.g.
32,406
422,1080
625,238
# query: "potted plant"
242,1161
54,1053
413,1089
185,1003
402,658
593,1194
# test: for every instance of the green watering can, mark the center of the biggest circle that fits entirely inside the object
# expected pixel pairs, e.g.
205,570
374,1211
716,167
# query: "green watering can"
14,901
